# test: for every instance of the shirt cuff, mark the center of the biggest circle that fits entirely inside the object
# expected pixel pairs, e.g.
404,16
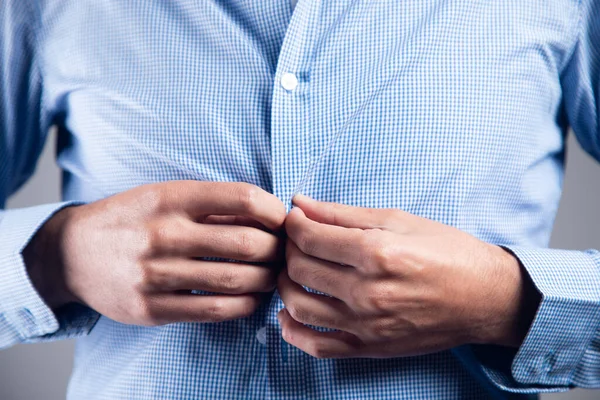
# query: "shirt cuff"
563,328
24,317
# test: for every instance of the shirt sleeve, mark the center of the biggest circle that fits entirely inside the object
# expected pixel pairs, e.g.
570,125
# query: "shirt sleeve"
24,317
562,347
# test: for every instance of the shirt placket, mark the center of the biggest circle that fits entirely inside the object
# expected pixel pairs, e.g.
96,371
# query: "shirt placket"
291,155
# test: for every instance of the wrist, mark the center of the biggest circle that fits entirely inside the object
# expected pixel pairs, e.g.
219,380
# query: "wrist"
43,260
515,303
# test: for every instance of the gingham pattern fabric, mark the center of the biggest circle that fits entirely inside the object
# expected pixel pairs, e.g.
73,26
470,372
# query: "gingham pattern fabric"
453,110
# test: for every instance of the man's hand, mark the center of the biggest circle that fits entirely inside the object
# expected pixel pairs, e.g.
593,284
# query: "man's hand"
400,285
133,257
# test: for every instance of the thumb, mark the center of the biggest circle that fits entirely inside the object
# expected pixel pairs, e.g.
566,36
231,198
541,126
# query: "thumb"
340,214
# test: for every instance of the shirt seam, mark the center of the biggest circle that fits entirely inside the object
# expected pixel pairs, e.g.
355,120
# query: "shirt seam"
36,39
575,37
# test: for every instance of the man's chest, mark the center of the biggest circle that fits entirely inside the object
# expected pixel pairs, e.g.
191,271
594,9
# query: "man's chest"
406,90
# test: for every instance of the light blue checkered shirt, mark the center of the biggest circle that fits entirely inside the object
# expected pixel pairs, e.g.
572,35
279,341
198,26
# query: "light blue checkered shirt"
454,110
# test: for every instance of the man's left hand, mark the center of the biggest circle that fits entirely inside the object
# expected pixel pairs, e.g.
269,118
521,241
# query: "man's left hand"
395,285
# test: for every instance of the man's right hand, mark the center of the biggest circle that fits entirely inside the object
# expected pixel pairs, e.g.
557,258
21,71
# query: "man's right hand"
133,257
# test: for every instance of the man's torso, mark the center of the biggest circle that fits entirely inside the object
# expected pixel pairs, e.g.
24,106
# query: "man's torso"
449,110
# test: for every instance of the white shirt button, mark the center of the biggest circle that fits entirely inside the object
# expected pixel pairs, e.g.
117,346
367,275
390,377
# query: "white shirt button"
261,335
289,81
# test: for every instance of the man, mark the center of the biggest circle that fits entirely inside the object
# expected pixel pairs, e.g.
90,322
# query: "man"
430,135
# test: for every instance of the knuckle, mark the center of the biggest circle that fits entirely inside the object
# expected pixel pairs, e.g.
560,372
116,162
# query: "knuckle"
318,349
356,295
161,236
382,257
374,302
382,252
248,197
295,270
378,299
369,241
305,241
155,237
150,276
246,246
144,312
384,329
298,313
217,311
145,241
229,281
144,279
325,277
153,199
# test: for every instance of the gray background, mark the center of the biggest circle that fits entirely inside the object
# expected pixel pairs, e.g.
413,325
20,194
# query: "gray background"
41,371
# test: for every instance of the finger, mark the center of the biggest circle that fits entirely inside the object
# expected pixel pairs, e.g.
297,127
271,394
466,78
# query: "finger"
313,309
211,276
170,308
327,242
233,220
336,344
333,279
229,198
341,214
242,243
